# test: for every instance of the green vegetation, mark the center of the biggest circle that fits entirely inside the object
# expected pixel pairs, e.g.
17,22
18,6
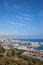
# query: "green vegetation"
13,58
11,53
2,50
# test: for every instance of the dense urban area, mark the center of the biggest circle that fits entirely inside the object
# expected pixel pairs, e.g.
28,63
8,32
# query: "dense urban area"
19,55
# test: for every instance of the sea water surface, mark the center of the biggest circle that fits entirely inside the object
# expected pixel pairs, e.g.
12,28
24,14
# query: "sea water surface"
31,40
40,47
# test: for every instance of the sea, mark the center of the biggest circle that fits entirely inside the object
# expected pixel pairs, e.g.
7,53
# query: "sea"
31,40
40,47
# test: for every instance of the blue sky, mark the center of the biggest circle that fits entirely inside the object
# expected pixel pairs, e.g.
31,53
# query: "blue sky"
21,17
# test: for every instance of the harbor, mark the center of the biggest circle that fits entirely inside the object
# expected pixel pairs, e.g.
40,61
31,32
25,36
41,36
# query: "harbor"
28,49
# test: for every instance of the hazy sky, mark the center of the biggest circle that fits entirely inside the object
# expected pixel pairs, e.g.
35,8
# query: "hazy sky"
21,17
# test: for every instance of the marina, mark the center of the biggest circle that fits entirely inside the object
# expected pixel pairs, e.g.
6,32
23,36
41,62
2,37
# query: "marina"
21,43
29,49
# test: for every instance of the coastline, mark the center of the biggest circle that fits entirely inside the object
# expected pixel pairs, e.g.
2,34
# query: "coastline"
22,42
25,46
